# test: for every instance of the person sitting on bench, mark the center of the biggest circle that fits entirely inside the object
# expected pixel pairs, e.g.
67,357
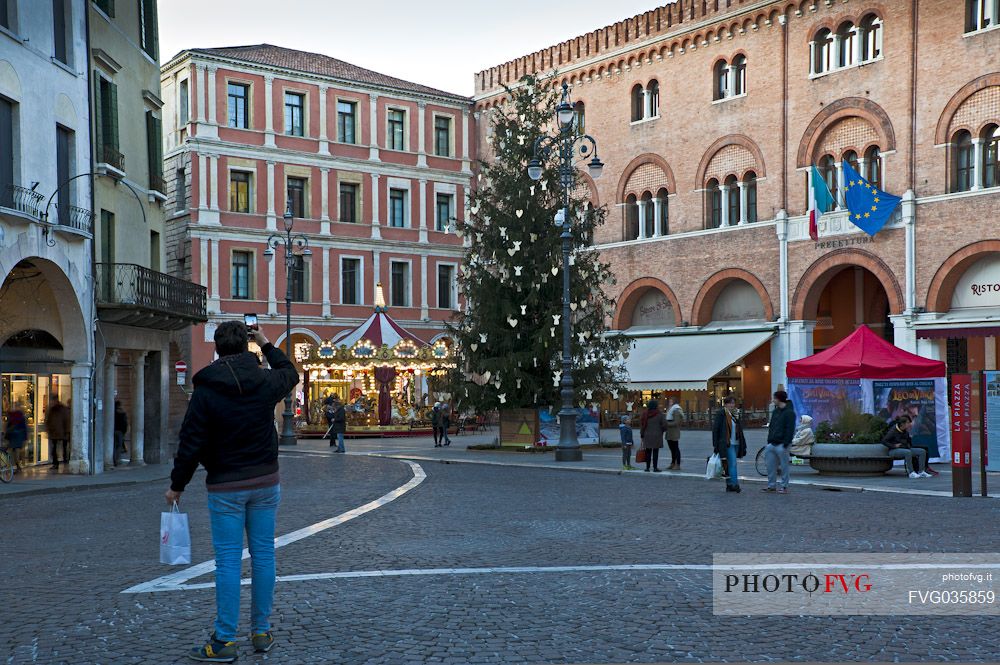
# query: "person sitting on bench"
897,440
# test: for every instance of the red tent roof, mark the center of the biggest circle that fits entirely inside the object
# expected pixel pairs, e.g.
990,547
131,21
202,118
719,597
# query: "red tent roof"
864,355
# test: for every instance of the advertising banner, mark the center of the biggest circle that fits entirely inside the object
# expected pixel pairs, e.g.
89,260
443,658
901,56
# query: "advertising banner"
588,430
915,398
824,399
992,420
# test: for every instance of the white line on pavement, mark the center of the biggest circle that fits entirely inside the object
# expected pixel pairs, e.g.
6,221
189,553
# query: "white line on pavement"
519,570
177,580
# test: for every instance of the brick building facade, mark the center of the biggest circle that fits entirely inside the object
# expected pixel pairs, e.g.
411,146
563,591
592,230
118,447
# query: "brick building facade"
709,115
373,169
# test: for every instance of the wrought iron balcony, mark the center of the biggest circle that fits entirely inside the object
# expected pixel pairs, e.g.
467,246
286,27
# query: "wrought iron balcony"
23,200
77,218
132,295
157,183
113,158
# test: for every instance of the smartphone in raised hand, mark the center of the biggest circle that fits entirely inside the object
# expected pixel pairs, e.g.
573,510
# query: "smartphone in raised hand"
250,320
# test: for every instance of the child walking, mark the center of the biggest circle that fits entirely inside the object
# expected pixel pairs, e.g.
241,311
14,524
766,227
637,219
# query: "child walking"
625,430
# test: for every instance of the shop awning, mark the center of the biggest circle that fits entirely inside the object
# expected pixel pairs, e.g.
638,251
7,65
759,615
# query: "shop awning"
977,322
688,361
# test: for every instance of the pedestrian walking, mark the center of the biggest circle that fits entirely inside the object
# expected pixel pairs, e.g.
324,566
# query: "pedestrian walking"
338,423
121,429
328,409
625,431
445,424
729,442
229,428
57,426
436,423
653,427
16,435
780,434
675,418
897,440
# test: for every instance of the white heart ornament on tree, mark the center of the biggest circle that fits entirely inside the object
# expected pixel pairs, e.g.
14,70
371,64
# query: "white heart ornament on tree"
473,346
572,306
512,322
512,252
555,270
519,213
486,376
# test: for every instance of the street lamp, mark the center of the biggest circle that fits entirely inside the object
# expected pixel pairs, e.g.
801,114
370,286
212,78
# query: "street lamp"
290,243
565,145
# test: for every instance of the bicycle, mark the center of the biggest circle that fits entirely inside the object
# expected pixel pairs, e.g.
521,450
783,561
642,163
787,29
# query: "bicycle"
761,465
6,466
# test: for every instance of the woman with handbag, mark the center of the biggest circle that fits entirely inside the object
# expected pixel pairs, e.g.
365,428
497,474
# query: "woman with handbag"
728,441
654,426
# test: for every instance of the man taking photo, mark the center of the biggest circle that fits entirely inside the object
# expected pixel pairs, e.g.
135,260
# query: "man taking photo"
229,429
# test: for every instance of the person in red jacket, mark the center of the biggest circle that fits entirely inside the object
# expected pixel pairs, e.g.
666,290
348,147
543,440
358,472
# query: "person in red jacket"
229,430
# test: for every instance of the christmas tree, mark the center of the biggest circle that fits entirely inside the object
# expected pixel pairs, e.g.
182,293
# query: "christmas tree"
509,337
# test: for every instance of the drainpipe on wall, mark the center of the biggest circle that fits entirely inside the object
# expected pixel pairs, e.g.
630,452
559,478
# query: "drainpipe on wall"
93,254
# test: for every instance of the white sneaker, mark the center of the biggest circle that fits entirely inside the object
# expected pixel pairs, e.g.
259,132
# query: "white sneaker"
924,474
914,474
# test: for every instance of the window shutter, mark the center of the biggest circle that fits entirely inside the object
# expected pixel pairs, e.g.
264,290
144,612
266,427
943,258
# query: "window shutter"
112,137
158,144
149,28
98,119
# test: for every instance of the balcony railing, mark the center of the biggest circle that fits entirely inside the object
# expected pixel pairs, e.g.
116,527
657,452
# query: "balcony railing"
131,294
77,218
23,200
111,157
157,183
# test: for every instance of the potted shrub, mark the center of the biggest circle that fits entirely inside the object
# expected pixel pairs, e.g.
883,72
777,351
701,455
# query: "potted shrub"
851,445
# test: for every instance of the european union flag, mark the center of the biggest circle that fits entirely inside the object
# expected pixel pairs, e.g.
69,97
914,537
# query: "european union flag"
869,206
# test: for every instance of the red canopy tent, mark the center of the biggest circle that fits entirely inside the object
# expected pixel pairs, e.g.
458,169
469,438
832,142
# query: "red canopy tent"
865,355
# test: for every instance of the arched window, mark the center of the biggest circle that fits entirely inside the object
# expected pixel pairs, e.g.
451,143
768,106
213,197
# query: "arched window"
873,166
631,218
720,78
851,157
738,70
981,14
750,191
664,219
871,37
963,161
653,99
713,204
846,36
991,156
828,171
648,219
822,52
638,103
581,117
732,201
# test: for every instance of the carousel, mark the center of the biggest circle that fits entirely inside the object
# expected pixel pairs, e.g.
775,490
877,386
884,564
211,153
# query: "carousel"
384,375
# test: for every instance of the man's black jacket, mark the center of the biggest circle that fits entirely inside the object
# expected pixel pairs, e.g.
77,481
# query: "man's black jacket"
229,425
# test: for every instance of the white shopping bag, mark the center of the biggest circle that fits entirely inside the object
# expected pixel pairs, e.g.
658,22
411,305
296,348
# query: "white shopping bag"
175,538
714,468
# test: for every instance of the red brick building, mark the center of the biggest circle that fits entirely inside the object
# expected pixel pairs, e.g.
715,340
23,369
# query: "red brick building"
709,113
374,170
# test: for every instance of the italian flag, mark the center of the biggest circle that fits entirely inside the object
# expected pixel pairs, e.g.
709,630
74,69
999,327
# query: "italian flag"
820,199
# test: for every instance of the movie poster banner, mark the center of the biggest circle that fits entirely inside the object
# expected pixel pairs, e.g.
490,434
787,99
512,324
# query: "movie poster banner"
588,429
918,399
824,399
992,402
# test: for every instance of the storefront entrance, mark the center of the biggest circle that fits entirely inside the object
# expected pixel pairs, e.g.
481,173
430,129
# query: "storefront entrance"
32,393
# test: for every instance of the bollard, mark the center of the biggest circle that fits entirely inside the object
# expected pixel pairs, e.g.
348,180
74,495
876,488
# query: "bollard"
961,435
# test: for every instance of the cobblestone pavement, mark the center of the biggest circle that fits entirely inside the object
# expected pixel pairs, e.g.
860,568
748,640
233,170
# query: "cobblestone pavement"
68,556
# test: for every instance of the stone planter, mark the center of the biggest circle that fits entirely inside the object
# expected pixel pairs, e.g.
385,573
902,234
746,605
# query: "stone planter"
850,459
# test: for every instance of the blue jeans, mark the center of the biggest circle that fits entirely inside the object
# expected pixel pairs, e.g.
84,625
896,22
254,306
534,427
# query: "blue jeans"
340,441
775,455
731,460
231,513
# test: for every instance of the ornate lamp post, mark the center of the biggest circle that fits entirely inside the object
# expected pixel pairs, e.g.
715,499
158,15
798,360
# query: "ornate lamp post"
565,145
290,243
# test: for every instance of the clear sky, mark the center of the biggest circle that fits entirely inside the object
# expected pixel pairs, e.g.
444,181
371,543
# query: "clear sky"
440,43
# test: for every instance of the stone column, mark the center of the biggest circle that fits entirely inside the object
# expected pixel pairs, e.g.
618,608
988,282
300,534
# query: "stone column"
213,163
743,202
857,44
324,195
421,138
268,111
641,204
657,205
213,293
466,165
724,190
373,127
861,167
424,307
908,208
138,425
904,335
199,75
272,219
324,141
376,231
80,433
211,95
422,206
840,185
794,341
272,303
325,254
990,353
782,230
977,164
110,378
202,182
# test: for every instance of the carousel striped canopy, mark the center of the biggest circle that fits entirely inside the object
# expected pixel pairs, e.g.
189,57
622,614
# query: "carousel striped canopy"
379,329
